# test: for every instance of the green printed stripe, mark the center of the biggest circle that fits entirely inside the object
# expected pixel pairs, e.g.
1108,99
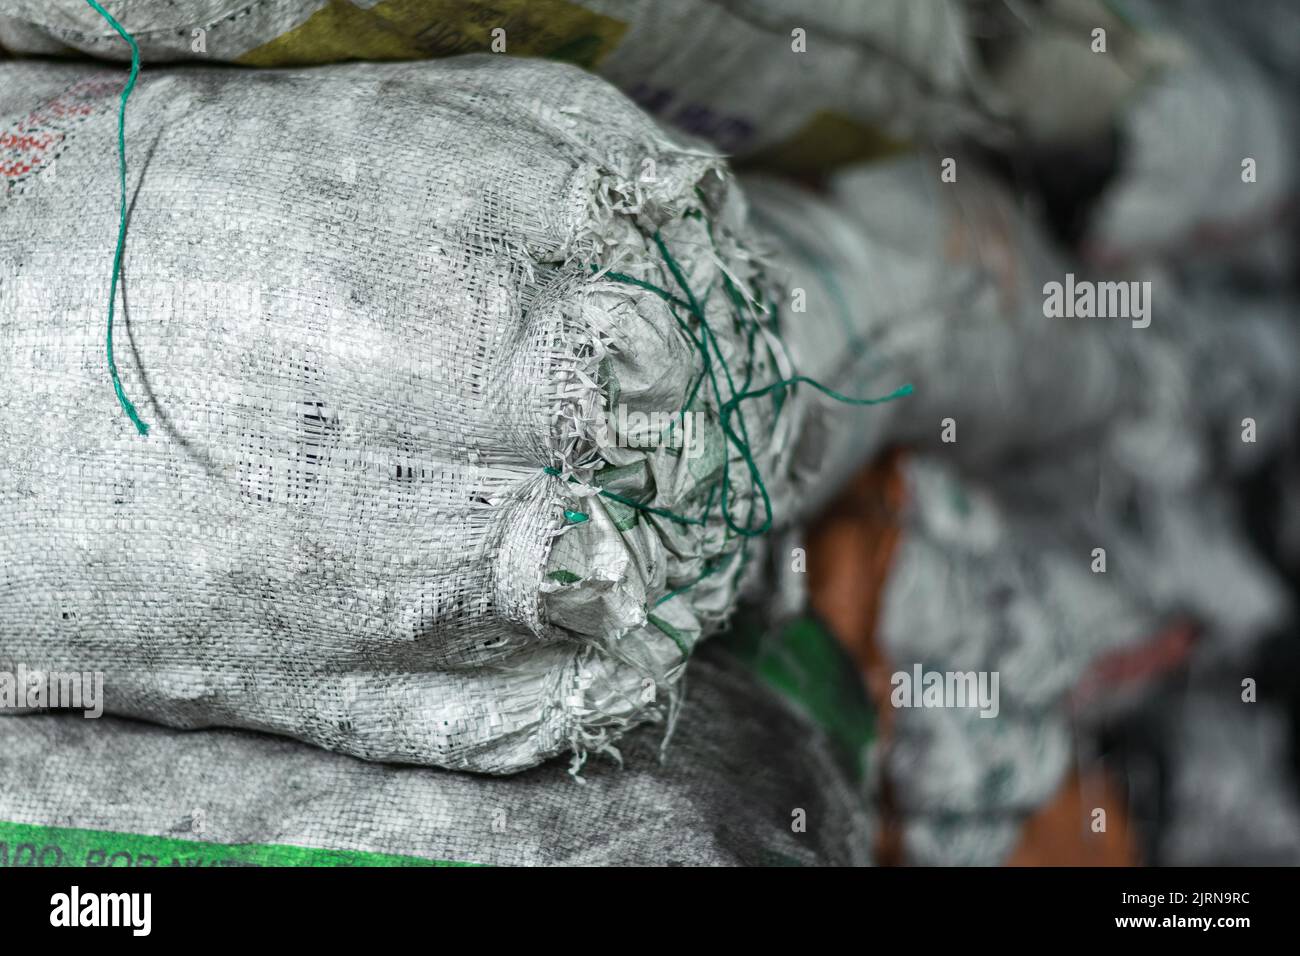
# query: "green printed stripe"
25,844
806,664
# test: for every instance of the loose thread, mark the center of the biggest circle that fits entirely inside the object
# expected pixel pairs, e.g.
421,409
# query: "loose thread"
741,442
707,346
122,400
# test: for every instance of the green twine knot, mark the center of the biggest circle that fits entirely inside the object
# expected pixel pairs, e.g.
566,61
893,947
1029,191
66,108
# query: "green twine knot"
707,347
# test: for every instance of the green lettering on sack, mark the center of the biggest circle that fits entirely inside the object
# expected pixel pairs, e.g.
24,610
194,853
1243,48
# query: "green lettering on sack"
25,844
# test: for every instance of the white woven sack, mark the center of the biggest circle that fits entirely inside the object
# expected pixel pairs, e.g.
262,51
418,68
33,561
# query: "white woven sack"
116,792
377,317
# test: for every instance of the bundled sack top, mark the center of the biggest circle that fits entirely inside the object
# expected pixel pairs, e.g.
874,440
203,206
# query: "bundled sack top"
401,333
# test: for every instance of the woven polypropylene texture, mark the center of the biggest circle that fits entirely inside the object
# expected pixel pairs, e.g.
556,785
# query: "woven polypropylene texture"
366,310
742,770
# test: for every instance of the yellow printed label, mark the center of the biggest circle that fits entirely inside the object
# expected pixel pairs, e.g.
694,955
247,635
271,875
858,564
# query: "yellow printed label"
420,29
828,139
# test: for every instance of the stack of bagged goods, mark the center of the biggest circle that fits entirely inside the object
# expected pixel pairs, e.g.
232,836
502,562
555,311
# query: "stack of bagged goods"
450,460
1084,434
453,403
978,627
798,88
748,780
999,643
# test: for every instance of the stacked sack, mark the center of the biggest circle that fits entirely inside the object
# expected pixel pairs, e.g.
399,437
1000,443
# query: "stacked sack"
752,778
802,90
390,346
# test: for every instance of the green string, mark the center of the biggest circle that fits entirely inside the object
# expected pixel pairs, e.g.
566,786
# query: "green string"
577,517
710,568
122,400
707,346
702,346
